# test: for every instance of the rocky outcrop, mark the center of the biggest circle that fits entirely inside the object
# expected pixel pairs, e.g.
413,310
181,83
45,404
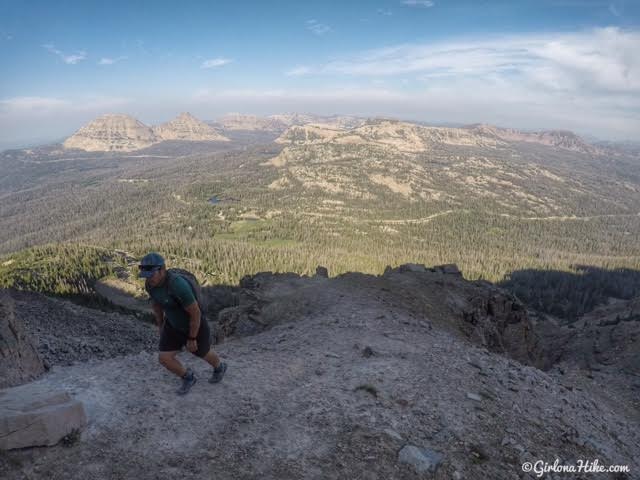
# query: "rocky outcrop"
112,132
33,417
186,127
607,338
499,322
19,359
480,312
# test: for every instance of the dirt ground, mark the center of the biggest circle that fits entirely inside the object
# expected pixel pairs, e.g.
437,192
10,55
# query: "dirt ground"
352,373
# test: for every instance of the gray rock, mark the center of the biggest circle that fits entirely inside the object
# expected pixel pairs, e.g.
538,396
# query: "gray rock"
393,434
412,267
322,271
421,459
367,352
474,396
450,268
30,417
20,360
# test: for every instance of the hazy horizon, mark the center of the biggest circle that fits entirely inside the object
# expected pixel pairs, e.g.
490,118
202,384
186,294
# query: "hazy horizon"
530,65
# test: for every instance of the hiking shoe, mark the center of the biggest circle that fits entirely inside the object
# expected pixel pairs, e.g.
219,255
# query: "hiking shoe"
188,381
218,373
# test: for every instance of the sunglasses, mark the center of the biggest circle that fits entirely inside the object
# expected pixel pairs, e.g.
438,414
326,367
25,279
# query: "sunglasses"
149,268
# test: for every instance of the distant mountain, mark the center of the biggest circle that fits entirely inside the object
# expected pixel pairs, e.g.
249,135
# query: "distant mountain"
388,134
628,147
291,119
112,132
237,121
279,123
555,138
123,133
186,127
526,175
337,121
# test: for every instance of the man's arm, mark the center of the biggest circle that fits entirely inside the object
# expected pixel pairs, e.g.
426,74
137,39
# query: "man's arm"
194,325
158,313
194,319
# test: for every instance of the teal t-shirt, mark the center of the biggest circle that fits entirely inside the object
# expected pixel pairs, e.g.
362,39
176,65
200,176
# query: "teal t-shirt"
173,305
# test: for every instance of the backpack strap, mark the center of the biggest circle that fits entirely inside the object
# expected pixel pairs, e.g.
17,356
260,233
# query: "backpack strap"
169,290
170,278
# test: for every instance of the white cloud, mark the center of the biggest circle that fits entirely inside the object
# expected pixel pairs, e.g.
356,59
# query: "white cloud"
331,94
600,60
419,3
31,104
384,12
215,62
110,61
317,27
588,81
55,105
68,59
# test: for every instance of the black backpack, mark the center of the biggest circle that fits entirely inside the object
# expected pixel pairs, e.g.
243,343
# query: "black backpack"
191,280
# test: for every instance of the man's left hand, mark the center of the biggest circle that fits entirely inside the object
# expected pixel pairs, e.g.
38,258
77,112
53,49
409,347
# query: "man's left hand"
192,345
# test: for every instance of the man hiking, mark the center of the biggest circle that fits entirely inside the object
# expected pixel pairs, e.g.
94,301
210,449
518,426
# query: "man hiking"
177,313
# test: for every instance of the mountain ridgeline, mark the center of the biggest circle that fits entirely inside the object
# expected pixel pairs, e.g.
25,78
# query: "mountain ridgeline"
124,133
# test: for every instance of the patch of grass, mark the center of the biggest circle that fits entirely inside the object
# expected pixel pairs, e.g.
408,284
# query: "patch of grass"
246,226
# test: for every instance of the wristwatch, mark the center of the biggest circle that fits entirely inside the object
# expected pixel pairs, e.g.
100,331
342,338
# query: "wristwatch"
192,338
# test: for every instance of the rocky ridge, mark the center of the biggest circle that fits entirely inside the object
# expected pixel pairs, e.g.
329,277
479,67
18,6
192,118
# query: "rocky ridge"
124,133
388,137
414,138
186,127
397,377
556,138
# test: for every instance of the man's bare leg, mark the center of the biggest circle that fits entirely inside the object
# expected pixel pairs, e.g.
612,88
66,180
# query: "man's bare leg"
212,359
169,361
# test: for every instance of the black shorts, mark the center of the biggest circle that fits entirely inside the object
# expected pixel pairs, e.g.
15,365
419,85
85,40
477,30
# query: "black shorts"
172,340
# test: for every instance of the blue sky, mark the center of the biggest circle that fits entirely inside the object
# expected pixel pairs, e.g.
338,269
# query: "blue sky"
570,64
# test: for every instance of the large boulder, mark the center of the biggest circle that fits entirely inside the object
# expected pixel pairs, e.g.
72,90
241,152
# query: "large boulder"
31,417
19,360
